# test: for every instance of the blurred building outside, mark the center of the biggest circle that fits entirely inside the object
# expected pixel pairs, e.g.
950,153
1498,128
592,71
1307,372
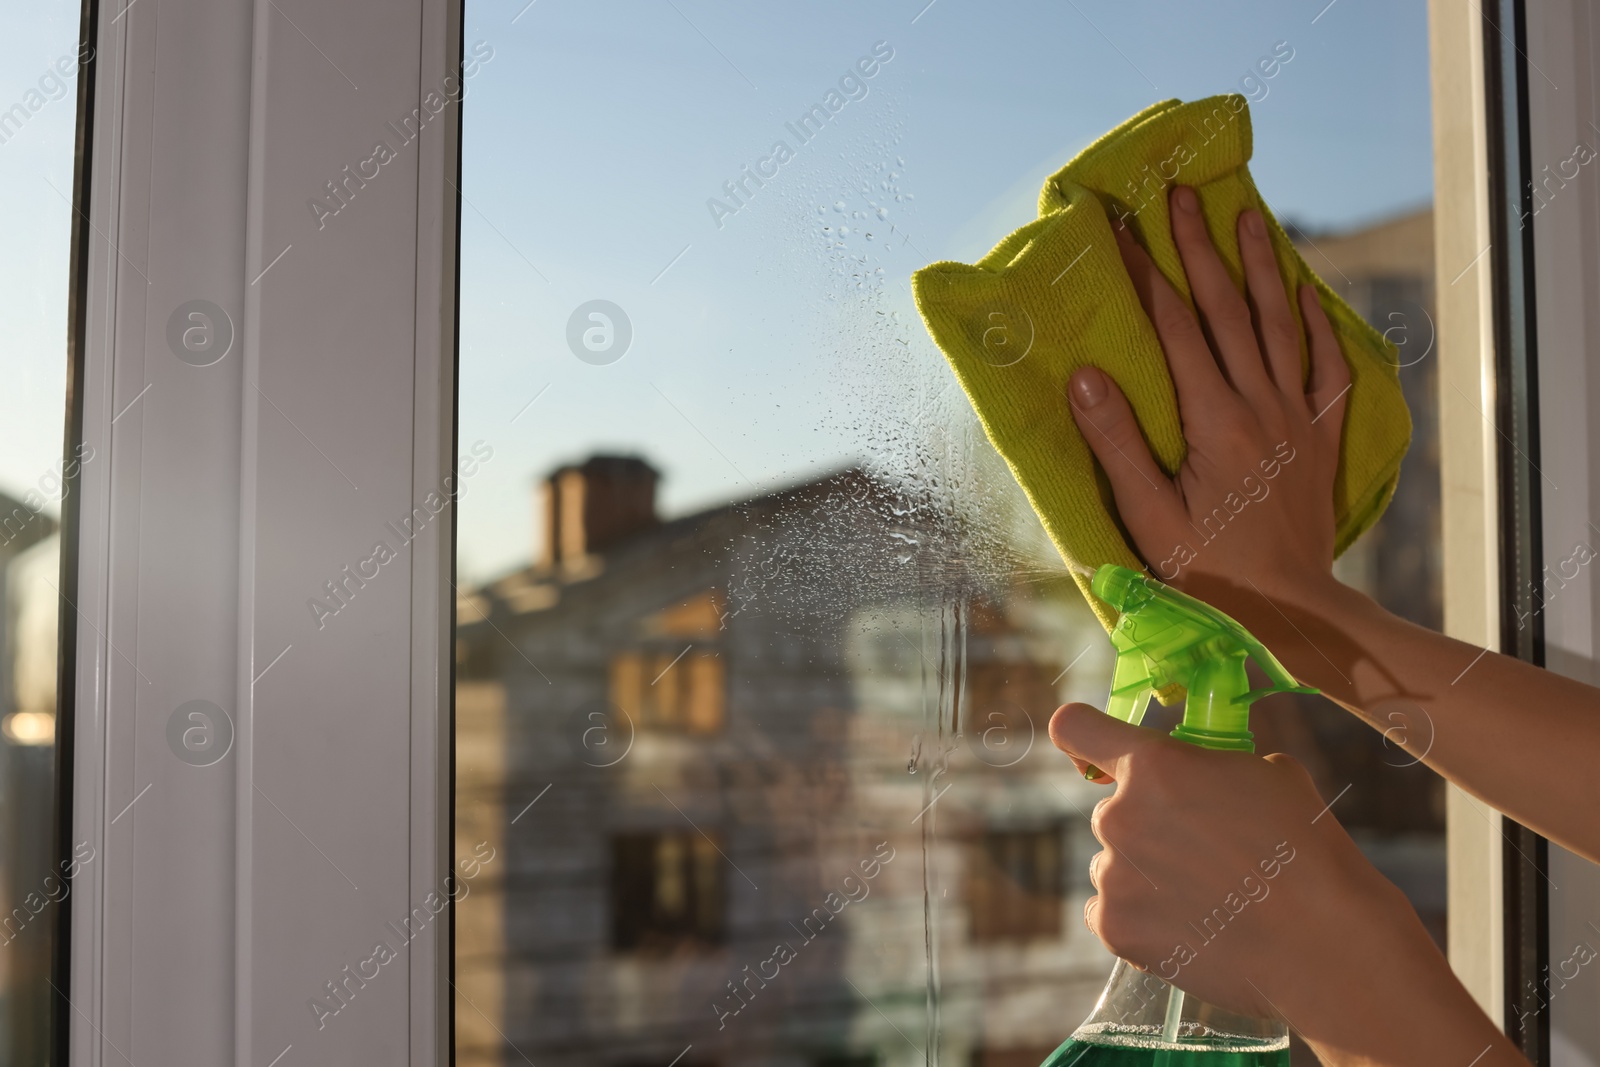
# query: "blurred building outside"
696,740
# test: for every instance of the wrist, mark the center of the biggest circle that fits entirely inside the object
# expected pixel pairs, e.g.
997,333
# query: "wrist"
1315,625
1315,595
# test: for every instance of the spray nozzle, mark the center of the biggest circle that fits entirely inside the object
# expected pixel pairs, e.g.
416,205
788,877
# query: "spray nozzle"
1166,638
1120,587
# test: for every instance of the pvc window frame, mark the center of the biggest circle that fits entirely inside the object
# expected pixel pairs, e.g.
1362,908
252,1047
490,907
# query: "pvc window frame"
267,389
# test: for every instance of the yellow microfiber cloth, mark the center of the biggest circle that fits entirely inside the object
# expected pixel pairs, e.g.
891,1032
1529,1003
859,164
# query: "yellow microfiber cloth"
1054,296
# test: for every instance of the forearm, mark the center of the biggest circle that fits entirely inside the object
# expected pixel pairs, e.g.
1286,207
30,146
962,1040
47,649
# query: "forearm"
1396,1003
1521,738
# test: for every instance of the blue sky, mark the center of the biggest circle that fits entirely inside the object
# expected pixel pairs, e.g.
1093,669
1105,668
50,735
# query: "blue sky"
35,175
768,348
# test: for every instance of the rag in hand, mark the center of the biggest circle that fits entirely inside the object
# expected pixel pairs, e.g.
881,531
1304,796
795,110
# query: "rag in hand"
1054,296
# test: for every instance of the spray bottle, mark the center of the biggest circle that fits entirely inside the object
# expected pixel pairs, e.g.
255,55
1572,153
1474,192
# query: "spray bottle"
1166,639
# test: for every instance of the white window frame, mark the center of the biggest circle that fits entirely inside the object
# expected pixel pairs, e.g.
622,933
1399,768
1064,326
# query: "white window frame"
221,898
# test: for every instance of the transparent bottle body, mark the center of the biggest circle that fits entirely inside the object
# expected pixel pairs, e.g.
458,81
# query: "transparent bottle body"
1140,1019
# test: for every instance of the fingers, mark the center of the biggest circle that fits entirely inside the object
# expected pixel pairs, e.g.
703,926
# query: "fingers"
1275,325
1225,312
1145,495
1294,769
1091,736
1289,763
1195,374
1310,797
1094,820
1329,388
1084,767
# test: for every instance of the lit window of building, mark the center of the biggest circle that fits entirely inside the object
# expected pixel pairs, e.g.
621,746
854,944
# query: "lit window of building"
659,689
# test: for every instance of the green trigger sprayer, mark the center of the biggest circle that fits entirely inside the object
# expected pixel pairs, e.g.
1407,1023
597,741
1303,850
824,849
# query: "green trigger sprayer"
1164,639
1167,638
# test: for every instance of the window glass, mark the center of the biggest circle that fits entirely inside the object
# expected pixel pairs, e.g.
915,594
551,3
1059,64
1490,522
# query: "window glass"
40,65
756,639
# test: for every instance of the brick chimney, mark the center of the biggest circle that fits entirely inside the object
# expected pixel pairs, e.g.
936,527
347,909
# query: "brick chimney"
593,506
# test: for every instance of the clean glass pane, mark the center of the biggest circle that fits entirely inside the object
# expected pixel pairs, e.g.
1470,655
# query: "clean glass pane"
756,638
40,65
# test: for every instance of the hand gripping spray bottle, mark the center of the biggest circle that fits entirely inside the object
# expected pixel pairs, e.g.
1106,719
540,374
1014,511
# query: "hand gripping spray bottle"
1165,638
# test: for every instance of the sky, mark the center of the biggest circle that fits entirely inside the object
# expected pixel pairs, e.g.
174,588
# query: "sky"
35,180
777,340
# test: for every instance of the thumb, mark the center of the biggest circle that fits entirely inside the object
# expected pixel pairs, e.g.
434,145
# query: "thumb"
1092,737
1108,426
